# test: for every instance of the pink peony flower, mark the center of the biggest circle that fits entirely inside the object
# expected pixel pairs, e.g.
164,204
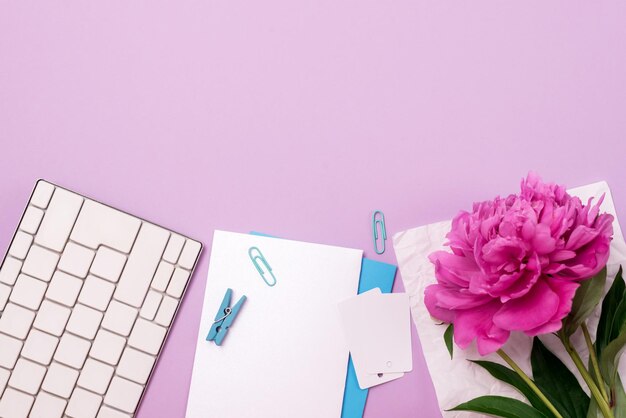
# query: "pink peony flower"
516,263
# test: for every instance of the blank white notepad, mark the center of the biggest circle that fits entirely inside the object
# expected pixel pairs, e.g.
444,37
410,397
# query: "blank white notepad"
284,355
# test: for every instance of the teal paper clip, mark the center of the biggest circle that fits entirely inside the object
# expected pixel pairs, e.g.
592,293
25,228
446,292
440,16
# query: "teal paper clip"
259,262
224,318
383,231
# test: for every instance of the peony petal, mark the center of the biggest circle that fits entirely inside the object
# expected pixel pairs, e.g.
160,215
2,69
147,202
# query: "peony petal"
527,280
530,311
449,278
580,236
566,290
528,230
470,324
500,287
500,251
562,255
491,341
430,300
546,328
453,261
588,261
459,299
543,242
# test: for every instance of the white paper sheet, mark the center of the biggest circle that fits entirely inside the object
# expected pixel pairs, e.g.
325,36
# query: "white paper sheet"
284,355
458,380
378,334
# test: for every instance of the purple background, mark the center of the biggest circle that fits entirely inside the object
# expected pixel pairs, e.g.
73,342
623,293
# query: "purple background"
298,118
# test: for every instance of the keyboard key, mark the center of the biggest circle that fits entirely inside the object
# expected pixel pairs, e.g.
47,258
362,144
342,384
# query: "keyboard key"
147,336
15,404
48,406
59,219
10,270
108,264
98,225
95,376
52,318
4,378
16,321
135,365
191,250
96,293
166,311
64,288
5,291
107,347
173,249
31,220
83,404
40,347
40,263
123,395
84,321
42,194
119,318
60,380
27,376
76,259
28,292
20,245
162,276
151,305
141,265
72,351
178,283
106,412
9,351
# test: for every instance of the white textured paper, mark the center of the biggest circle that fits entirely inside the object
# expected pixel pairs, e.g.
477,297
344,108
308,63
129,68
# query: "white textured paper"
458,380
284,355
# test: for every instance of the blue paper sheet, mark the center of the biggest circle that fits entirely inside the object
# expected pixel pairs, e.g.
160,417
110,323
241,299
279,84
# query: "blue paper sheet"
373,274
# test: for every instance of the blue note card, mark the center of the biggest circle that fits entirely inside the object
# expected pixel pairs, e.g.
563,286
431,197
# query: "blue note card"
373,274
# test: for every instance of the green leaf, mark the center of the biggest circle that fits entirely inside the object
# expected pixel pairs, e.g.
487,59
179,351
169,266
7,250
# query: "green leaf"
619,407
557,382
611,338
587,297
618,321
610,305
509,376
609,359
594,411
447,336
500,406
619,397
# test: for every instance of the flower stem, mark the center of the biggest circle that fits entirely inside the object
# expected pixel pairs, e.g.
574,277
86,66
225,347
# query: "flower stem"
602,404
594,362
529,382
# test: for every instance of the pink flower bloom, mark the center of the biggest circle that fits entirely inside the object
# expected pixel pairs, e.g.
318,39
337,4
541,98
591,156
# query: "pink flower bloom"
516,263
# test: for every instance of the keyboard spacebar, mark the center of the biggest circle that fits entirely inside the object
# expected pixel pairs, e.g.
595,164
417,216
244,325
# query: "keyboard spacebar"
141,265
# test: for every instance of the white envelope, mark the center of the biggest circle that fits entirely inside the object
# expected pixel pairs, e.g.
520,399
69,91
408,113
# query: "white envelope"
284,354
378,334
458,380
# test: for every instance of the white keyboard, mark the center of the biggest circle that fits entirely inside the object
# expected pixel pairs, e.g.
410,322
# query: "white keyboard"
87,296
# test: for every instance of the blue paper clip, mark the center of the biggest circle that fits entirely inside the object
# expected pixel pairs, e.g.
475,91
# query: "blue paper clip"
259,262
383,231
224,318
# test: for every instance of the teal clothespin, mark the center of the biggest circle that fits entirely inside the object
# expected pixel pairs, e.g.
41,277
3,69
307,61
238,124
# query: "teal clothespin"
376,220
259,262
224,318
